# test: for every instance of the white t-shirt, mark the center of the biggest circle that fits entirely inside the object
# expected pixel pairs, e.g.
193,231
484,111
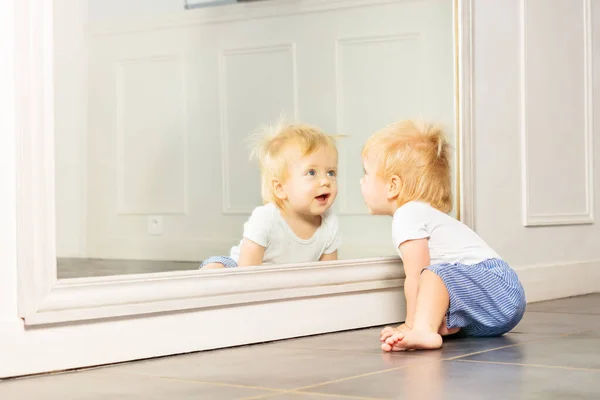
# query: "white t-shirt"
450,241
267,228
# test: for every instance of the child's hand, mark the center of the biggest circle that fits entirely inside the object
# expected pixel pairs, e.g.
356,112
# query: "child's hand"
389,331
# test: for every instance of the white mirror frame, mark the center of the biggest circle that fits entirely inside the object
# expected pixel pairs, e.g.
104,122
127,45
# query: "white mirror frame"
43,299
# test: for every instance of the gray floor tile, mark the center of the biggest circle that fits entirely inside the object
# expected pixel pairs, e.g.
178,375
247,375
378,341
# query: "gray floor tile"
463,380
367,341
309,396
267,366
589,304
89,267
363,340
577,351
556,323
463,346
95,385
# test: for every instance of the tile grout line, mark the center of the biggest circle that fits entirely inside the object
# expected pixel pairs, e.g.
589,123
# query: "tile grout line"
168,378
340,396
276,392
425,362
530,365
515,345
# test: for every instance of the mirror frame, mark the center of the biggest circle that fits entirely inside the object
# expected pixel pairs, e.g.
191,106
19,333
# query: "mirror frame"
43,299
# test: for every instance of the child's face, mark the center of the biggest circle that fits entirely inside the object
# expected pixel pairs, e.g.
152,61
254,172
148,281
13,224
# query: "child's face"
311,186
375,191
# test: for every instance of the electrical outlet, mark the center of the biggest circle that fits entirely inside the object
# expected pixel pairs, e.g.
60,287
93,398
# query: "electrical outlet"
155,225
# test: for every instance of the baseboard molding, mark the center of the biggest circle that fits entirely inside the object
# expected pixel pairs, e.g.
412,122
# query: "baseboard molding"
555,281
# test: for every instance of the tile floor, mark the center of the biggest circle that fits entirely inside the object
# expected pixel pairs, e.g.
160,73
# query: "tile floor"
90,267
553,354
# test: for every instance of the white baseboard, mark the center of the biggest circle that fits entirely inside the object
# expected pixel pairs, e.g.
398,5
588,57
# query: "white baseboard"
548,282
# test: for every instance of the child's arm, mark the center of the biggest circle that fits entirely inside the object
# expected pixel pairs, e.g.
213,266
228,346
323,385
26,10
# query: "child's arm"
329,257
415,257
251,254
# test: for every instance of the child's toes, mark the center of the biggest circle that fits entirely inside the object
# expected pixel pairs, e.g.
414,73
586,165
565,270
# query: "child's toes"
386,333
395,338
386,347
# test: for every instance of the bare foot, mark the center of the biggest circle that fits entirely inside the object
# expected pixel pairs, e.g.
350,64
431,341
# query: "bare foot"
389,331
412,340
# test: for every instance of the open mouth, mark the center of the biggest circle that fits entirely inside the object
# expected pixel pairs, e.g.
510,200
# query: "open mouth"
323,197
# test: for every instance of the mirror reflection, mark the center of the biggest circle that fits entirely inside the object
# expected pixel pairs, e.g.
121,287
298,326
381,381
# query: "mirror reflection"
158,109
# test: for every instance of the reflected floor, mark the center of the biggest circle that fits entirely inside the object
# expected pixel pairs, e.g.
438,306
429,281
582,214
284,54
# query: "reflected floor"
86,267
554,353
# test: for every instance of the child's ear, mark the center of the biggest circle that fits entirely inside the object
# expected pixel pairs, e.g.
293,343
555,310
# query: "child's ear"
394,185
278,189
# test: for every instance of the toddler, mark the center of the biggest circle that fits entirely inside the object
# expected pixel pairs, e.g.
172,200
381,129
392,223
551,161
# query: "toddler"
298,165
454,280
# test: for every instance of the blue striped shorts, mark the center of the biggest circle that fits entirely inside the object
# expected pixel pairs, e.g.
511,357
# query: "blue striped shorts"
228,262
486,299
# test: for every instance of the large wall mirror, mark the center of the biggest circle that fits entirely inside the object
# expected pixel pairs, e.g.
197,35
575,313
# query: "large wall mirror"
153,106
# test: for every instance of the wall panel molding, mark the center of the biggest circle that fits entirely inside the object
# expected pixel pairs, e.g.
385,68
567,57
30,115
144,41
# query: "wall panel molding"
225,135
529,215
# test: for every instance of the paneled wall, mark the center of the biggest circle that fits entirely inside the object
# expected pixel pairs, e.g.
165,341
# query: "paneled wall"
536,121
171,103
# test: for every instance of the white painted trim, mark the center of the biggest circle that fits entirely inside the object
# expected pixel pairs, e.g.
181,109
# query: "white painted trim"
233,12
93,298
117,340
465,117
36,253
555,219
83,225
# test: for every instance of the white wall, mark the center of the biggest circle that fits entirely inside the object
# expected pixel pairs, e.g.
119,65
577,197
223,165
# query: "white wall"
8,218
107,10
171,103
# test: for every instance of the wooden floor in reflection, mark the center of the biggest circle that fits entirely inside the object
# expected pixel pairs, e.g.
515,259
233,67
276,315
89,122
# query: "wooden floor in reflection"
86,267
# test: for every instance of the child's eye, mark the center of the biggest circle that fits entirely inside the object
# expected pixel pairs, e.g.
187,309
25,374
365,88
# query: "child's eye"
331,173
311,172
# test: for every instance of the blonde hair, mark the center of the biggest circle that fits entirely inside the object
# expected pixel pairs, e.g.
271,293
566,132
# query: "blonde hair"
419,154
271,145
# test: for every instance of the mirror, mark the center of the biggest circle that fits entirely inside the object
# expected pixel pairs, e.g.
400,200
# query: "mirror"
153,105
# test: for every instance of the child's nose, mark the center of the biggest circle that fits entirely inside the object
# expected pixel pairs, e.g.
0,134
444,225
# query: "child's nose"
325,181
